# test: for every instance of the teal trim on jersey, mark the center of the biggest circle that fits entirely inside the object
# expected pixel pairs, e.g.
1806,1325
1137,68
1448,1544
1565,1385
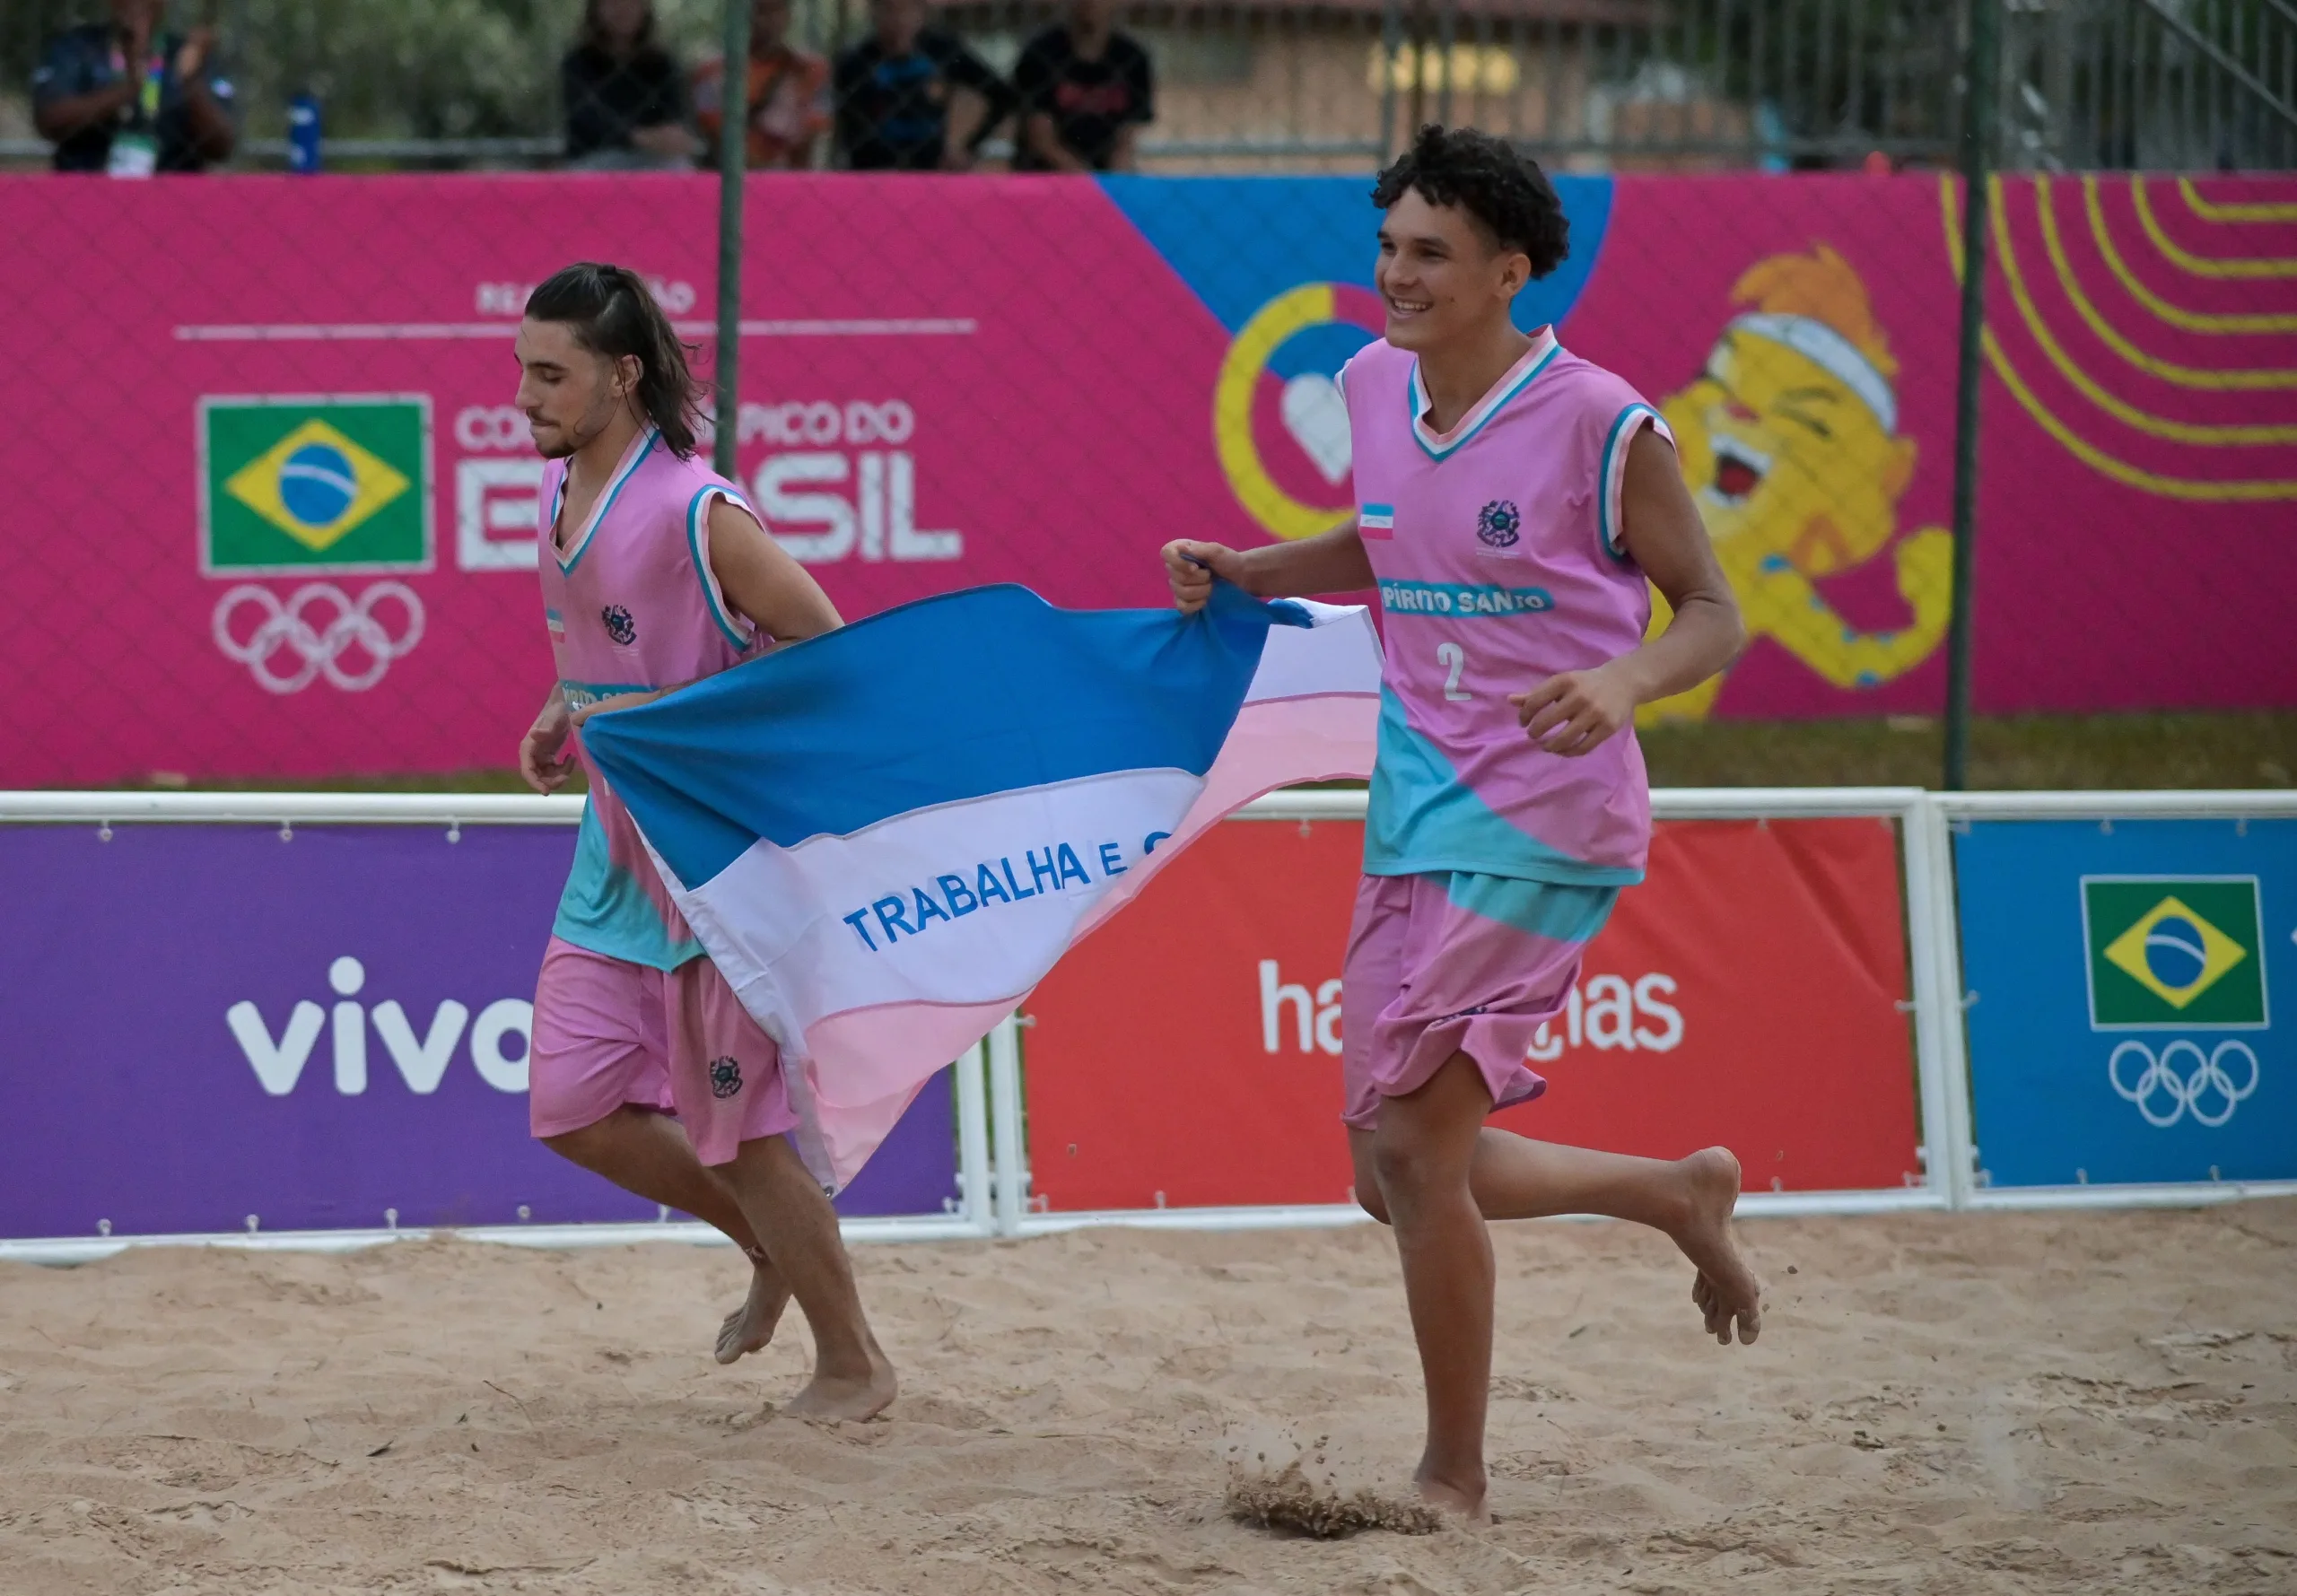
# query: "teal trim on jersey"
702,572
1559,910
1417,397
604,909
1425,821
1608,535
599,516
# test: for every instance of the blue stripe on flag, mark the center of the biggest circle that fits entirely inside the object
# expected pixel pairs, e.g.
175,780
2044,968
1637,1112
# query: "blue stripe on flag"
962,696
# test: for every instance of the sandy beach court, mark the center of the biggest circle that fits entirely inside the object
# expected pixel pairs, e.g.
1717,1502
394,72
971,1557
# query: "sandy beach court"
1963,1403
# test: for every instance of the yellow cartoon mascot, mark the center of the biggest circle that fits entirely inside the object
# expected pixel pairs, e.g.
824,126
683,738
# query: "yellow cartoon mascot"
1789,440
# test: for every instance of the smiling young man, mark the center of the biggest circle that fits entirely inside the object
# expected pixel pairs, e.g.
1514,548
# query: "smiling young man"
1513,499
656,573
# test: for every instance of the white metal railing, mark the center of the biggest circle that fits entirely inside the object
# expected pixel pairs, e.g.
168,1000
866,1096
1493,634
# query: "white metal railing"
993,1157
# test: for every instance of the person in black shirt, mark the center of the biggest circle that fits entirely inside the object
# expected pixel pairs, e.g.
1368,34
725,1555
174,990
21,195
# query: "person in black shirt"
912,97
1084,90
625,95
126,97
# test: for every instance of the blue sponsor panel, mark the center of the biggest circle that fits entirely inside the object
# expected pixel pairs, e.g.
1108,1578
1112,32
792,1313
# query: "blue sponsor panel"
2132,998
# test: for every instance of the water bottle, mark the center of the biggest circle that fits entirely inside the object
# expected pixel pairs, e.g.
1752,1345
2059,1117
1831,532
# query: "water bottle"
303,133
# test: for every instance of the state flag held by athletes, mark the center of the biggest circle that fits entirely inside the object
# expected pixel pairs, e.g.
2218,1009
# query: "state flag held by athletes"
886,835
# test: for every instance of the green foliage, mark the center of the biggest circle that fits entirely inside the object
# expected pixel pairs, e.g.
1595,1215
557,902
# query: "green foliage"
425,68
383,68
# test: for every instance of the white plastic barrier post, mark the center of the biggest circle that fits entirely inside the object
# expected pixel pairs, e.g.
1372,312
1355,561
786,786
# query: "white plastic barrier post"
973,1140
1941,1055
1011,1154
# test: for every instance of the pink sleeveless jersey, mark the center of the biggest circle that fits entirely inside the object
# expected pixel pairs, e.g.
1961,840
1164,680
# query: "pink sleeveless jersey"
631,606
1496,549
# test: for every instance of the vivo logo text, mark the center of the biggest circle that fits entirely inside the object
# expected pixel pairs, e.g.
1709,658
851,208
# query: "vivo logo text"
421,1058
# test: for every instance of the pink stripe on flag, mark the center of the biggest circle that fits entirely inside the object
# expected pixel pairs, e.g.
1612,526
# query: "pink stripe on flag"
864,1067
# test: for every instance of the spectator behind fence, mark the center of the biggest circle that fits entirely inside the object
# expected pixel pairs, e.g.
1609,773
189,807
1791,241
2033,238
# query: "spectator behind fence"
789,92
912,98
625,97
1084,90
127,97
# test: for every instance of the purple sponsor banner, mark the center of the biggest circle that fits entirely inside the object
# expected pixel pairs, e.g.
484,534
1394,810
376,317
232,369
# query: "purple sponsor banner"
185,1009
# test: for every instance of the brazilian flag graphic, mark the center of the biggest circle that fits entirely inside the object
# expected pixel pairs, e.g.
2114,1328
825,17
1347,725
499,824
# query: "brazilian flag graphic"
296,486
2174,952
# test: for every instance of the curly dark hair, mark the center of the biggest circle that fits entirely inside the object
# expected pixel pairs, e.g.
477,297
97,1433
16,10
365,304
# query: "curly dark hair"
1506,192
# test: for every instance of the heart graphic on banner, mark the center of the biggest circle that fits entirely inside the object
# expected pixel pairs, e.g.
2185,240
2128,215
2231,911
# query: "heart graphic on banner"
1317,415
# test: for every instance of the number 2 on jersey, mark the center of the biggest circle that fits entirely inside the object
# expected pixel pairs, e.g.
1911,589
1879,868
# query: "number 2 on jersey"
1456,659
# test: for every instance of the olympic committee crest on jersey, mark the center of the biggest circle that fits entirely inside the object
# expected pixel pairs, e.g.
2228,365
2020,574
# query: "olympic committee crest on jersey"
327,485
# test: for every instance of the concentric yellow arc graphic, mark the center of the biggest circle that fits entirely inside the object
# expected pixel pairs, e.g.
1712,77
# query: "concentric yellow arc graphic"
2211,211
2203,265
2092,454
2213,378
2192,321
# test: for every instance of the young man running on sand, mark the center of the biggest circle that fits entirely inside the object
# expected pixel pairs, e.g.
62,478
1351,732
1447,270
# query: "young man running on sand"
1511,501
655,573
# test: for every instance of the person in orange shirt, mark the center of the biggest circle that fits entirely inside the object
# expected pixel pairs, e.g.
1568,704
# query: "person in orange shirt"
789,92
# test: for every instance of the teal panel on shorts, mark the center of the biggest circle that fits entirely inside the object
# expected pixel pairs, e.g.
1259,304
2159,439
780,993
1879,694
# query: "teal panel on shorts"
1559,910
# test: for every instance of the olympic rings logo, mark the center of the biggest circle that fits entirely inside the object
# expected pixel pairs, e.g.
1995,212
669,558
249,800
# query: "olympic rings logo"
2164,1096
312,650
1312,304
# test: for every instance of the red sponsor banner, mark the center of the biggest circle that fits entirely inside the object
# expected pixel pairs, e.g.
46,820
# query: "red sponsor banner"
1749,994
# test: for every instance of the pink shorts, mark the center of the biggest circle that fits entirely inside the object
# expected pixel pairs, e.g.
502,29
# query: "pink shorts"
1453,963
608,1033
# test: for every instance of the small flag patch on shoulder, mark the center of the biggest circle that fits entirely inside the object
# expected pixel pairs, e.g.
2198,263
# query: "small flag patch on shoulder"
1376,521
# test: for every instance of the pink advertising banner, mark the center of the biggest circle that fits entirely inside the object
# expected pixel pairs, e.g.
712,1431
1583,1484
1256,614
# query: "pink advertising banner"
270,511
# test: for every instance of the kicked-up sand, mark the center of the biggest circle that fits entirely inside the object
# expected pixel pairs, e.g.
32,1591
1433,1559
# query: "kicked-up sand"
1953,1403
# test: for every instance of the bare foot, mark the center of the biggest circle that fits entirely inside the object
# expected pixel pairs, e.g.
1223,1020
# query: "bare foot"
1459,1499
1725,1289
830,1399
751,1326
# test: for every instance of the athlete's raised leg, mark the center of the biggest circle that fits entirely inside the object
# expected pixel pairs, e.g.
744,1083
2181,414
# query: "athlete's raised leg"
1689,1200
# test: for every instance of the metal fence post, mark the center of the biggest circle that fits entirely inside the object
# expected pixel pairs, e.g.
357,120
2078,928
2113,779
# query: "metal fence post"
1390,47
1980,69
733,152
1008,1147
972,1137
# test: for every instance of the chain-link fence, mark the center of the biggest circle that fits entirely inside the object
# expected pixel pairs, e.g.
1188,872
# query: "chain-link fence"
1226,83
272,516
2152,85
1223,84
